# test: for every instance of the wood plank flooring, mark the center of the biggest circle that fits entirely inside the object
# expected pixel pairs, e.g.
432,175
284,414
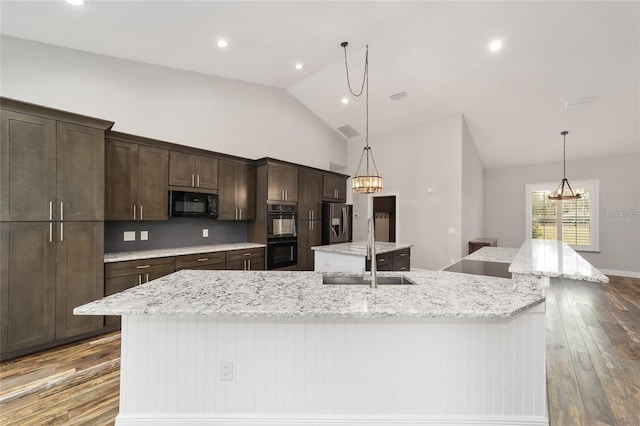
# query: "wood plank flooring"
593,366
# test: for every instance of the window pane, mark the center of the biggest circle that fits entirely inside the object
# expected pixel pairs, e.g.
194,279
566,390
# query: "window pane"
576,220
543,216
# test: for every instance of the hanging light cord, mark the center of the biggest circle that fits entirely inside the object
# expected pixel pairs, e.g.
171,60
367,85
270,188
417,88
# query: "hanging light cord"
564,154
365,85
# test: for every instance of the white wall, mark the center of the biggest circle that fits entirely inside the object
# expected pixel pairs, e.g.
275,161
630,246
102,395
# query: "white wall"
187,108
619,192
412,160
472,225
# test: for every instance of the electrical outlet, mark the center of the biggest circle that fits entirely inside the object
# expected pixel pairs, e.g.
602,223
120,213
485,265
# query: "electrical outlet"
129,235
144,235
205,232
226,370
452,231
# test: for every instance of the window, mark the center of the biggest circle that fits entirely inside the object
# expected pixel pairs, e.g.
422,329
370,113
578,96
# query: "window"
573,221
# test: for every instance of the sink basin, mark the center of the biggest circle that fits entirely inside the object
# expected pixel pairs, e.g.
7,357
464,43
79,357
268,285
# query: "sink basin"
357,279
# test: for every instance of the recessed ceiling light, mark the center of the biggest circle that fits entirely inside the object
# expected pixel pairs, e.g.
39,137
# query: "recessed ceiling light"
75,2
345,100
223,43
495,45
299,66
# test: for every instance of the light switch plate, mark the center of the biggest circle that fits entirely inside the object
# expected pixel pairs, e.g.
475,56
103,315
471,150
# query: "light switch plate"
452,231
144,235
129,235
205,232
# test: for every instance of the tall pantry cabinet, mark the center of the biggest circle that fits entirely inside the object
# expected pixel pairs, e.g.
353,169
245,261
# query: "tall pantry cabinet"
51,225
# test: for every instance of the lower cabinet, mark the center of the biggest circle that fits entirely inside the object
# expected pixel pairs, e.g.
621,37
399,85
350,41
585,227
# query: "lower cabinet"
246,260
309,235
398,260
207,261
46,270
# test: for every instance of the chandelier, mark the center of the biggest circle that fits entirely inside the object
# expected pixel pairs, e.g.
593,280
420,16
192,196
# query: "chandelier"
368,181
561,193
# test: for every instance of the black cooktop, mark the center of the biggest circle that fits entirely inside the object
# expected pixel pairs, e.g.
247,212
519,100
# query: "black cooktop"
480,267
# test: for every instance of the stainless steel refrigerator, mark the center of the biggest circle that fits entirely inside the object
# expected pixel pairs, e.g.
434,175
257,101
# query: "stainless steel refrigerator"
337,219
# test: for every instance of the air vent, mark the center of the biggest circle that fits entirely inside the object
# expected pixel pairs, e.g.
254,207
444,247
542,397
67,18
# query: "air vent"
398,96
348,131
579,102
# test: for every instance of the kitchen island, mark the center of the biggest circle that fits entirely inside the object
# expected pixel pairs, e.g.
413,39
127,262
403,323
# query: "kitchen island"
352,256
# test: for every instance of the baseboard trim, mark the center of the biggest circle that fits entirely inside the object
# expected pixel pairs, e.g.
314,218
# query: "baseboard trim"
630,274
192,419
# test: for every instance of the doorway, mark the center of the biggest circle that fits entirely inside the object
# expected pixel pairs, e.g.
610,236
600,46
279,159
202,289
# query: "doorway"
384,218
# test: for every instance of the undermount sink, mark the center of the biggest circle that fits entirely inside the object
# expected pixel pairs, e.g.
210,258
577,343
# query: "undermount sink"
358,279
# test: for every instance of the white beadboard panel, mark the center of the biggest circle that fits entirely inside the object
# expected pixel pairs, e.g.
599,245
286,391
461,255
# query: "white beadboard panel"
429,368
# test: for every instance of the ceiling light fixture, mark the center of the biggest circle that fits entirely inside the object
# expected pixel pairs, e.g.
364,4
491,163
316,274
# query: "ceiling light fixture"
75,2
223,43
299,66
370,181
345,100
495,45
560,193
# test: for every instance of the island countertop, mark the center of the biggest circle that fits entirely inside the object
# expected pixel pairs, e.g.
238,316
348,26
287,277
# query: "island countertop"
435,294
359,248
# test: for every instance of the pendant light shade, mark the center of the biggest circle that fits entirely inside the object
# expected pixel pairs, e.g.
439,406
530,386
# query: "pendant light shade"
369,180
564,191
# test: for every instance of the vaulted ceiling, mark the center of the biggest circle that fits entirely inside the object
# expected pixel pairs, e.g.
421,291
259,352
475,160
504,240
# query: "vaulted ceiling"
513,99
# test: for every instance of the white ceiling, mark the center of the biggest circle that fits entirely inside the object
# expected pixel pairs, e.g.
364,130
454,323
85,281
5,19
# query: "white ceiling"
513,100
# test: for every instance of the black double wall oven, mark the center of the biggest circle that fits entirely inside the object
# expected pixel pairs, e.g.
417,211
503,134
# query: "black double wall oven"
282,238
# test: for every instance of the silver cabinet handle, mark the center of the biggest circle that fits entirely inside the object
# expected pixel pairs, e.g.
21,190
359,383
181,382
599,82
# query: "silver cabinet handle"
147,277
61,231
291,253
139,279
198,183
50,232
141,212
240,214
50,210
143,266
193,180
203,259
134,212
249,261
246,254
61,210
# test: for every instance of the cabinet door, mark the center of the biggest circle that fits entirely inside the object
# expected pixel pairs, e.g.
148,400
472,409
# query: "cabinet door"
80,173
27,167
275,191
334,188
309,195
236,265
121,180
79,275
245,191
257,264
182,169
228,170
153,196
117,285
309,235
206,172
27,285
290,183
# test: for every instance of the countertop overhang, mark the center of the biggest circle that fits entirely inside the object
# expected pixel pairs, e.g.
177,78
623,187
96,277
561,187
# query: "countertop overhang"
359,248
436,294
176,251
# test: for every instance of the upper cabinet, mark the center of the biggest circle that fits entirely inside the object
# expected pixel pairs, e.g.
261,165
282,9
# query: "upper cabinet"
195,172
334,188
310,195
282,183
236,191
50,167
136,181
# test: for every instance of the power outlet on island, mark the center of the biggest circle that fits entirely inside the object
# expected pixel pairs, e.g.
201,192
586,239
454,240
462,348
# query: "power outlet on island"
226,370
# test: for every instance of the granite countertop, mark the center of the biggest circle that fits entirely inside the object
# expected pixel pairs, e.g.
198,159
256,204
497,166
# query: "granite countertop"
359,248
494,254
177,251
436,294
556,259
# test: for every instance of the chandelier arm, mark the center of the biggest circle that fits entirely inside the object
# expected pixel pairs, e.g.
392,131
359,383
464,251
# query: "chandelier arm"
360,163
375,167
364,77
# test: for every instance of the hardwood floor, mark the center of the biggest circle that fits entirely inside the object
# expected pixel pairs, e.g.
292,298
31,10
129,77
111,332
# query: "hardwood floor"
593,366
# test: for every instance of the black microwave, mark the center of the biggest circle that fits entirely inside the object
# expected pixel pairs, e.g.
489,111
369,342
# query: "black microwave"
193,204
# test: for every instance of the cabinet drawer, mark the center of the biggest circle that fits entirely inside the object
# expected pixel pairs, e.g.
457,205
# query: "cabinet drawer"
133,267
401,254
198,260
383,259
253,253
402,264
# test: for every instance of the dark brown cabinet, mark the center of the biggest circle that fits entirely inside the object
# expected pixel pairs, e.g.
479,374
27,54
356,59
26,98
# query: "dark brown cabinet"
50,170
309,216
309,235
136,185
236,191
246,259
282,183
334,188
208,261
193,171
398,260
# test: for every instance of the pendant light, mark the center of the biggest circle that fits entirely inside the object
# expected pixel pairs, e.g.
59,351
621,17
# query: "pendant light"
370,180
561,193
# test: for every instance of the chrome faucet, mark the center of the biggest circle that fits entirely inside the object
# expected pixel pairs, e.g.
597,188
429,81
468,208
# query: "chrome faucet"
371,252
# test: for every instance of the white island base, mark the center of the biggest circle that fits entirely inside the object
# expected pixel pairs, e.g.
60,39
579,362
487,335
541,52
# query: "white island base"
334,371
